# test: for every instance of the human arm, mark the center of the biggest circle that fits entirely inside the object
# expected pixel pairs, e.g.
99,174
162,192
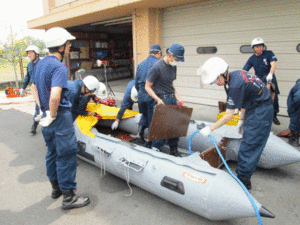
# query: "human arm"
272,71
148,88
35,95
54,101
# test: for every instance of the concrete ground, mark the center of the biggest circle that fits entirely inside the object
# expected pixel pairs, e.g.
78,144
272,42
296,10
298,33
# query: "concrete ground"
25,190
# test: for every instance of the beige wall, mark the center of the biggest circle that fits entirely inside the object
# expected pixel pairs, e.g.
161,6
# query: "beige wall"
146,31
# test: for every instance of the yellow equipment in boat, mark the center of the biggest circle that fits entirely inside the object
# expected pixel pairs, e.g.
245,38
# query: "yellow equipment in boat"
233,122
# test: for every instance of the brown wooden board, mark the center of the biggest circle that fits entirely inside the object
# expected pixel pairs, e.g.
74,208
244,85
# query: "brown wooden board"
169,121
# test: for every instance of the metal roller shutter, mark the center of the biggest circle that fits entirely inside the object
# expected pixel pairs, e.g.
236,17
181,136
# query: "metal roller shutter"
228,25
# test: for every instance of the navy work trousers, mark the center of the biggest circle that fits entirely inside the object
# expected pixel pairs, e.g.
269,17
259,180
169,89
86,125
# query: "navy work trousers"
171,141
146,107
295,121
257,127
62,148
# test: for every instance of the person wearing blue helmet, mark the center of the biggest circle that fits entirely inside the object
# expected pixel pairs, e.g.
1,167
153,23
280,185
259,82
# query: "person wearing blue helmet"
293,105
146,102
160,86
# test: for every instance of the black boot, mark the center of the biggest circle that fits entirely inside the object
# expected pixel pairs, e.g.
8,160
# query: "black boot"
71,200
141,132
148,144
275,120
33,127
294,139
56,192
174,151
246,182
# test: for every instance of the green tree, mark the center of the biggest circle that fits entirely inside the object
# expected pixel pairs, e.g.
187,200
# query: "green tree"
14,51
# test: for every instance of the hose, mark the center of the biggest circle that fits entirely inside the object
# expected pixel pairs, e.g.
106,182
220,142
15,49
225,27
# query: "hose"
231,173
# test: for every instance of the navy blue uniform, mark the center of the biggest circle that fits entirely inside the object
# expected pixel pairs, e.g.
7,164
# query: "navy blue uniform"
28,78
146,102
61,157
262,66
127,103
162,76
78,101
293,104
247,91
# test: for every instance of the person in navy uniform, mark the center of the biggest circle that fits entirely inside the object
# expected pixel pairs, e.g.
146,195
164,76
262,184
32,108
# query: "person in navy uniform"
160,86
264,64
146,102
79,95
50,85
33,53
130,97
293,104
248,92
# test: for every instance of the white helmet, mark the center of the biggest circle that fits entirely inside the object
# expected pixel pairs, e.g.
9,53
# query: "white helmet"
102,92
134,94
257,41
57,36
91,83
212,69
33,48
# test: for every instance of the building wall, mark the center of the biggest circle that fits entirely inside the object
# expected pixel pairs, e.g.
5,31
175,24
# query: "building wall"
227,25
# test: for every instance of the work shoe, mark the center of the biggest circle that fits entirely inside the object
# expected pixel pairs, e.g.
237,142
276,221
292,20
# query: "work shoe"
174,151
33,128
246,182
148,144
141,131
72,201
56,192
294,139
276,121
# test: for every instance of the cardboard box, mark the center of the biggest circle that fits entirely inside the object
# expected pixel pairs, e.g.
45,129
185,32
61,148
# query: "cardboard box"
86,65
84,52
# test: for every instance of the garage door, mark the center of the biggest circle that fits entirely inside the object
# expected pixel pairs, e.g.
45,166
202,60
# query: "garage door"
225,26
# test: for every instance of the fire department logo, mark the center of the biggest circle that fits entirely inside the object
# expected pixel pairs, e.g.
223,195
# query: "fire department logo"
194,177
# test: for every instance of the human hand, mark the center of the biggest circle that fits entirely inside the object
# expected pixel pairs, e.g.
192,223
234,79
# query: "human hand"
115,125
180,103
240,126
205,131
160,102
269,77
22,93
39,116
46,121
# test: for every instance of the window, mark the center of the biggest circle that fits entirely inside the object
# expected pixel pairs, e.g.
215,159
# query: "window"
248,49
207,50
298,48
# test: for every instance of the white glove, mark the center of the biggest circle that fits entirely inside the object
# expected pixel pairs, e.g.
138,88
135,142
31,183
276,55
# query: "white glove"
39,116
205,131
22,92
115,125
269,77
240,126
46,121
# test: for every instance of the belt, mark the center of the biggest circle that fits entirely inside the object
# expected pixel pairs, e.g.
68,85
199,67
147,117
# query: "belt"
167,95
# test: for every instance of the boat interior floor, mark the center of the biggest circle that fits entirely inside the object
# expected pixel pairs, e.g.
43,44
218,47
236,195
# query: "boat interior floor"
126,136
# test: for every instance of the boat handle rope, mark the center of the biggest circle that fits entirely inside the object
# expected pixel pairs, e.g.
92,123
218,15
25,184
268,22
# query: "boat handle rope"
231,173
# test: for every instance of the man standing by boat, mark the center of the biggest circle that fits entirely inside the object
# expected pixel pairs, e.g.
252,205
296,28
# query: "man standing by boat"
146,102
248,92
49,88
160,86
33,53
264,64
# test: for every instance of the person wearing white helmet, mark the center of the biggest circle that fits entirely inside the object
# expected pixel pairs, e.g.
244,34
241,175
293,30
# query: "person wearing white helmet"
130,97
264,64
33,53
247,92
49,89
79,94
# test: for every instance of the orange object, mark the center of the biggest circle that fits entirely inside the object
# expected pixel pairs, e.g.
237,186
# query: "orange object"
11,93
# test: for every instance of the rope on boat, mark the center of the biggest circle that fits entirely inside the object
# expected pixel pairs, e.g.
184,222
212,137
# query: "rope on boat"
127,179
231,173
102,162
